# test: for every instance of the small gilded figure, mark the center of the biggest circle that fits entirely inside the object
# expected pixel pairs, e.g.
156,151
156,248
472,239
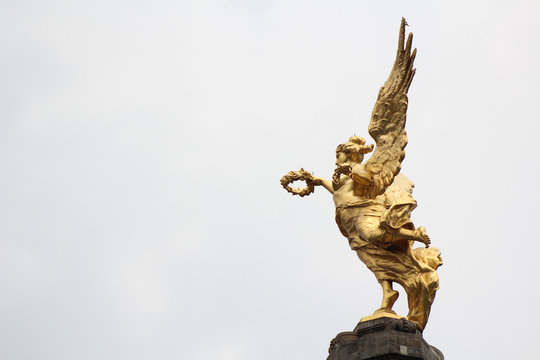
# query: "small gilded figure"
374,202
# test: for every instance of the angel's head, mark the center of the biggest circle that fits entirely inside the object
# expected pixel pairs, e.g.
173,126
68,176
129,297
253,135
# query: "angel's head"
352,151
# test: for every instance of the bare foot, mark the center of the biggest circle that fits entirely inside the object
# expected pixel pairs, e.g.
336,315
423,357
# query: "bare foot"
422,236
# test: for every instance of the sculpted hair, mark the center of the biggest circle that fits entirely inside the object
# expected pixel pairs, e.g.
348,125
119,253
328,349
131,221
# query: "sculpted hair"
355,145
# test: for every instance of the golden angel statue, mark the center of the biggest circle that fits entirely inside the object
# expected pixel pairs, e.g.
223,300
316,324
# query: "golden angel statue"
374,202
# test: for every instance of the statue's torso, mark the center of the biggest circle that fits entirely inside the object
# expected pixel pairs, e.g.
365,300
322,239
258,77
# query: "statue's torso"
348,191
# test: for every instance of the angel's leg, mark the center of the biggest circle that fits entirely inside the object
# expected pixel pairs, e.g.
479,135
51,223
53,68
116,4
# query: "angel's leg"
416,235
389,295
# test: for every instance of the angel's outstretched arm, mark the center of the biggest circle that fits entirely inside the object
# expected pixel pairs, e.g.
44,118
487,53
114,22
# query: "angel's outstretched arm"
327,184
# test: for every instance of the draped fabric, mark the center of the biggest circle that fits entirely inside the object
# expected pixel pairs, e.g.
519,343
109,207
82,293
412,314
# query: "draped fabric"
388,259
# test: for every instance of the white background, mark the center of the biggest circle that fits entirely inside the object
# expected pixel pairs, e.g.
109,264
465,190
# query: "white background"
141,147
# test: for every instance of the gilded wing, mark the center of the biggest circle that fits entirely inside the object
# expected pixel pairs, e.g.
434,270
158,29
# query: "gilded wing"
387,125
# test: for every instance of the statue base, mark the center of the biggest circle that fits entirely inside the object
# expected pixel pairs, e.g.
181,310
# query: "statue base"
383,338
380,314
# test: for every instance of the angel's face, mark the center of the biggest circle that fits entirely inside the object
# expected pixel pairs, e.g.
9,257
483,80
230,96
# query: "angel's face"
344,159
341,158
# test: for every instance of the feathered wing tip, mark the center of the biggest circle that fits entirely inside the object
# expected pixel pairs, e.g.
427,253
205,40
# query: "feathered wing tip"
387,125
404,57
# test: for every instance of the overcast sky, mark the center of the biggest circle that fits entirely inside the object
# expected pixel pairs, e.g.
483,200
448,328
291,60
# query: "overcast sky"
141,147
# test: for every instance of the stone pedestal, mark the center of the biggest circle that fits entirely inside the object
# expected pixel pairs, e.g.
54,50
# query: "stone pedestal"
383,339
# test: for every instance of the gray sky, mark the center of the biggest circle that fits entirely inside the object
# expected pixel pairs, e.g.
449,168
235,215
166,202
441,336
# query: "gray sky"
142,145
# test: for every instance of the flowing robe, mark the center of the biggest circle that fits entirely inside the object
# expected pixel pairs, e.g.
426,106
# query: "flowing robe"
369,226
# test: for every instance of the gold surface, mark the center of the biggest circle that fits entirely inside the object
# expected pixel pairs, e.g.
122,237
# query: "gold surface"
374,202
382,313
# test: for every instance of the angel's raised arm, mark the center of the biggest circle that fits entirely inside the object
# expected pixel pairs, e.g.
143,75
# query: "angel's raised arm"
327,184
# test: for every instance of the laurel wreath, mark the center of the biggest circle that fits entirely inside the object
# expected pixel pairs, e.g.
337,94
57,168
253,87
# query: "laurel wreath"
301,175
